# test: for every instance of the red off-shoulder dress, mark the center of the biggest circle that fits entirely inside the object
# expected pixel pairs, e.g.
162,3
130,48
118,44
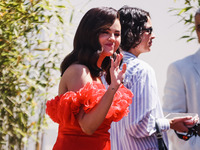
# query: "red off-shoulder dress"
63,110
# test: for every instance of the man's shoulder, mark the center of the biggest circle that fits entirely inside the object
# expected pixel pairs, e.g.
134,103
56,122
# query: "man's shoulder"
187,60
137,64
138,70
182,65
183,62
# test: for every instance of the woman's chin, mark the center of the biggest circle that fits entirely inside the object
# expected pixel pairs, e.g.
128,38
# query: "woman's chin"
110,53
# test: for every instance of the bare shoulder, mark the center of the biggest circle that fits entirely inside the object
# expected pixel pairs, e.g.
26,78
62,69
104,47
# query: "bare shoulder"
77,71
74,78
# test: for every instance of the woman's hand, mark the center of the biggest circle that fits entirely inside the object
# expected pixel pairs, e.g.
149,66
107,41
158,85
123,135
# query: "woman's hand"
89,122
117,75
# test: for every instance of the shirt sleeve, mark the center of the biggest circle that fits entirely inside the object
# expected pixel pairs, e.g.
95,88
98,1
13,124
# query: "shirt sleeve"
146,106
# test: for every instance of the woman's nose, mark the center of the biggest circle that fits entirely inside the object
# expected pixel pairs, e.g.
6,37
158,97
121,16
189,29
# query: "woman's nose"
112,37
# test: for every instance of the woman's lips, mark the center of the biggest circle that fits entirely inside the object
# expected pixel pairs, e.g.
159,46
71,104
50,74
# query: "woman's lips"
110,45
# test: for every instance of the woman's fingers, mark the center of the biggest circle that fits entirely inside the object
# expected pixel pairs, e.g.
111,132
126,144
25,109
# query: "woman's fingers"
124,68
117,75
112,64
118,59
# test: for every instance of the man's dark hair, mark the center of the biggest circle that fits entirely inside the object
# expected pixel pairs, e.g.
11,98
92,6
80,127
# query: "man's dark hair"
133,22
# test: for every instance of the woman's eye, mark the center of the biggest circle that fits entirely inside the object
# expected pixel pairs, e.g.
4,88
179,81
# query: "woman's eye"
104,32
117,34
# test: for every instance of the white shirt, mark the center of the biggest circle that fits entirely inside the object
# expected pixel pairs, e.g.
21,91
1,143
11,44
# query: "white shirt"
137,130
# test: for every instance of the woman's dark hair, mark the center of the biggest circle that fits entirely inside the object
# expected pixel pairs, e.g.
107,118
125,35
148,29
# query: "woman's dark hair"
86,41
133,22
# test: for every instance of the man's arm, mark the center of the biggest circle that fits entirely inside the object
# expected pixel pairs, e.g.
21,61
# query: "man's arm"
143,110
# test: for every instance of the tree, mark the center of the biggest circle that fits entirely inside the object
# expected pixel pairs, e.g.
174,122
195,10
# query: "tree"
186,15
28,63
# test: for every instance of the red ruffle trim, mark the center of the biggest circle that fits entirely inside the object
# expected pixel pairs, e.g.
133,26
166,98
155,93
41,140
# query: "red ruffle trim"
63,109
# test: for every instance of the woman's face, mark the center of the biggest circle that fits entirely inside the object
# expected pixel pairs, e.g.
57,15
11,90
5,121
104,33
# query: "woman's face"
110,39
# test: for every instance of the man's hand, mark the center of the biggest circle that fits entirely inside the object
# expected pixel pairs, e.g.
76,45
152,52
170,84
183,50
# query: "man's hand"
180,124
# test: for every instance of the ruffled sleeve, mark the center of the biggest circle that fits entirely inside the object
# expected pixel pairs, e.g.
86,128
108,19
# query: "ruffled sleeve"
121,102
52,107
64,109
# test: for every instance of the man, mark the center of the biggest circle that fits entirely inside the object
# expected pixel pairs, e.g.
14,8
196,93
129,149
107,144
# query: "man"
182,91
137,130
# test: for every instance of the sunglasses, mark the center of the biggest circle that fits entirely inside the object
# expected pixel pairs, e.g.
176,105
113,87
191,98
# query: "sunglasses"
194,131
148,30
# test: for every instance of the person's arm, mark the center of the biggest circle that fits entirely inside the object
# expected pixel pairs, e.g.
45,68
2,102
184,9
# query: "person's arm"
144,109
90,121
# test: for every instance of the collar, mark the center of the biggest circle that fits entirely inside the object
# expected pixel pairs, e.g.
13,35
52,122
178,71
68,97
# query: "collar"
128,55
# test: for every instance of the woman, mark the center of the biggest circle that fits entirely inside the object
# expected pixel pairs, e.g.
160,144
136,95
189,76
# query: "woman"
84,109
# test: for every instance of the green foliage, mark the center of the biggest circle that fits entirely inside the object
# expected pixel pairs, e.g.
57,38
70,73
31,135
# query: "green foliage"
186,15
28,63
